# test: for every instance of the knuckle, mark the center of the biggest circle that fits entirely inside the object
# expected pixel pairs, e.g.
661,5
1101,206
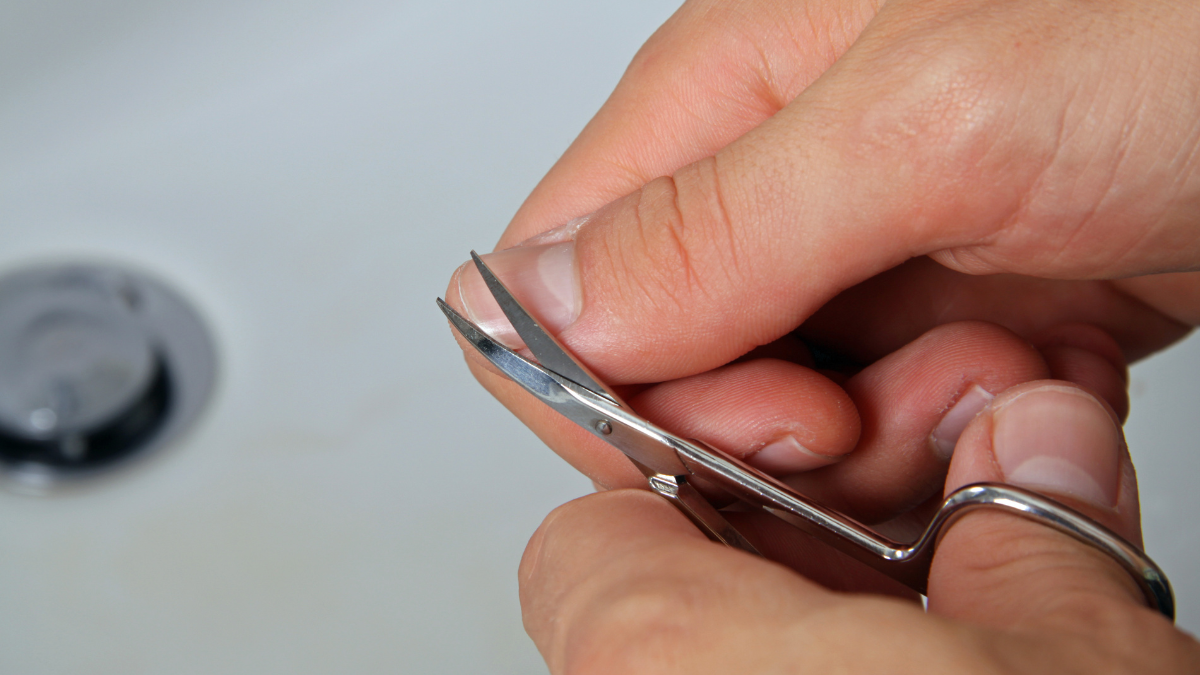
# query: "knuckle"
679,247
636,255
669,238
943,108
944,113
977,259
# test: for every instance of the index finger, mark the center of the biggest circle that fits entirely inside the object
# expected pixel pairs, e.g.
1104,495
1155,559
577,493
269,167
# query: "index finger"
621,582
712,72
921,139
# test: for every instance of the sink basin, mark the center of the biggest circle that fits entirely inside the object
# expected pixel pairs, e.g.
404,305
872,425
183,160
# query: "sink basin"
308,175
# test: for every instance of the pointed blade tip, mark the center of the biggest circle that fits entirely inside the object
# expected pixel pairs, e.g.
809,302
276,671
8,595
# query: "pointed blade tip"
552,355
446,309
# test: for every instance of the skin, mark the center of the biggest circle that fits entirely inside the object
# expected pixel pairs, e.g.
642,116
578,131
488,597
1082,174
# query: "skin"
947,194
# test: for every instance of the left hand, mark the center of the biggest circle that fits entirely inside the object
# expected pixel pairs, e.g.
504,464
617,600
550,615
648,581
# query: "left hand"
719,75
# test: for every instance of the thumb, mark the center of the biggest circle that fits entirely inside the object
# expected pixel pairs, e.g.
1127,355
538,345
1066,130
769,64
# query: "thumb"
1002,570
923,139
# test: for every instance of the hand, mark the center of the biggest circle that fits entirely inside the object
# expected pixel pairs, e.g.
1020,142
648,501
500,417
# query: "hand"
620,582
957,196
816,147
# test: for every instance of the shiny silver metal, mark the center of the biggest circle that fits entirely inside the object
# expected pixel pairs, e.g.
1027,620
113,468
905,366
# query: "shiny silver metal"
98,364
669,463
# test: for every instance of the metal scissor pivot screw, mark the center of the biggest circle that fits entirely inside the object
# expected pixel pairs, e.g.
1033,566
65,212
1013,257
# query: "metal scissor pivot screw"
604,427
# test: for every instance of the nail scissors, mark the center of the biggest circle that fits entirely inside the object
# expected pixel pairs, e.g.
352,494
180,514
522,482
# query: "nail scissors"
672,466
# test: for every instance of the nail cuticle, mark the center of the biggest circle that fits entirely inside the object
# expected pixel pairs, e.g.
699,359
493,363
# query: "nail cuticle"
543,278
560,234
955,419
787,454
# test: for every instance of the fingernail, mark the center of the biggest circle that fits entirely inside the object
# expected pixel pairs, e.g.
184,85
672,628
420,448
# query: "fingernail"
945,436
787,455
542,278
1059,439
564,232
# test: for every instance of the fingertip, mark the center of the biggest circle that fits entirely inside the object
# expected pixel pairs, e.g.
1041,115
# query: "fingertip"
572,532
1048,435
778,416
585,536
528,568
542,277
1090,357
945,435
1086,337
1090,371
1059,439
913,405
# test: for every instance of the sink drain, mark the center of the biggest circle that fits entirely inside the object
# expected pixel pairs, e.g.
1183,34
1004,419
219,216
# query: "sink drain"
97,364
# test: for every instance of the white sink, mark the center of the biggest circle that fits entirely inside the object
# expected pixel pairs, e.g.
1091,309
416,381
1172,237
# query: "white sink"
309,173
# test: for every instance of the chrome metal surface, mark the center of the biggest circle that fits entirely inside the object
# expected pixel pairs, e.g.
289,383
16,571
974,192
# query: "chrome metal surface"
1149,577
909,563
628,433
72,356
687,499
549,352
97,364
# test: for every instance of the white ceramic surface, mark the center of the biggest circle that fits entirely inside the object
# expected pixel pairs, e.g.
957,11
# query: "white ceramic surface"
308,173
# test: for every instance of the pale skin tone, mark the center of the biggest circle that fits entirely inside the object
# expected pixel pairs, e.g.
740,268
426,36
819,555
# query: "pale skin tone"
1003,195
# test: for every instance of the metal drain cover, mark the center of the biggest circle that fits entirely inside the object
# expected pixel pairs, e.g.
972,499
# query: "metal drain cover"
97,364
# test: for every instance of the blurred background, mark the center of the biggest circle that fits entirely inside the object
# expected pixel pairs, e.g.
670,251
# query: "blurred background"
307,174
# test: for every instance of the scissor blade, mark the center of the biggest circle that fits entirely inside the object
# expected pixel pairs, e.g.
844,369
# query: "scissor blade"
549,352
650,448
534,378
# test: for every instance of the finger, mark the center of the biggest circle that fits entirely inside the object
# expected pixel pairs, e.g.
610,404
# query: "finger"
890,310
914,403
897,151
1088,357
712,72
778,416
1001,570
909,399
607,579
1175,295
620,582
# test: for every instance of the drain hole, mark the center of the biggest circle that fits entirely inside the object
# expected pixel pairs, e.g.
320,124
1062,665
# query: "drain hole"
84,450
97,364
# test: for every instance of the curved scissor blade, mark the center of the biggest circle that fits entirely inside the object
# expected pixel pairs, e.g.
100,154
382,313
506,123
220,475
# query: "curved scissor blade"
534,378
549,352
649,447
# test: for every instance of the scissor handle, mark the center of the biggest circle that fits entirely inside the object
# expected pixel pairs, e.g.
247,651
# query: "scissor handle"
909,564
1038,508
